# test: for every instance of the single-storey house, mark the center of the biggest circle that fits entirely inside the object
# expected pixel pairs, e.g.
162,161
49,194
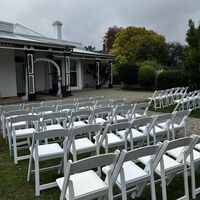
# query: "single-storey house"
31,63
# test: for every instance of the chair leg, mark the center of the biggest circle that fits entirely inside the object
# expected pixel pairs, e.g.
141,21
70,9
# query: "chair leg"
15,149
186,180
163,181
37,178
29,169
193,181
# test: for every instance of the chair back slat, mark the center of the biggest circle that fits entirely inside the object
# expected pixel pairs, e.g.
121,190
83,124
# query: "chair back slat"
26,118
87,129
93,162
42,135
15,113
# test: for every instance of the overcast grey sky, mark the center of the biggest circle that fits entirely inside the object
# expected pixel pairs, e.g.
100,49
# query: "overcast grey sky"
87,21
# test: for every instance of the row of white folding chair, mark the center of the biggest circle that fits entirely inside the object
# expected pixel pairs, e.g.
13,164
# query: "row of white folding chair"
158,127
191,100
129,112
51,149
29,124
160,131
6,116
163,98
7,108
125,173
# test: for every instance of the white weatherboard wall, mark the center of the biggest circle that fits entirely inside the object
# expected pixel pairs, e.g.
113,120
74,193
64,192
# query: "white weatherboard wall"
8,85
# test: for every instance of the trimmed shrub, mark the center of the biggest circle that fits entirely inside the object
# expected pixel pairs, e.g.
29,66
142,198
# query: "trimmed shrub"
146,76
171,78
128,73
116,79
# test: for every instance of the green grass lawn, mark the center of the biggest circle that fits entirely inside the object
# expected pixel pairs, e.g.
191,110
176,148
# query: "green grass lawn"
13,184
194,113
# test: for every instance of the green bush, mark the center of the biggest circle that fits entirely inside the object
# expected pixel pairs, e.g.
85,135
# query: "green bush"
128,73
151,63
146,76
171,78
116,79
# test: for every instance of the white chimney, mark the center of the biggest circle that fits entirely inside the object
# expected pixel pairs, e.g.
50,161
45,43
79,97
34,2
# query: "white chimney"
57,30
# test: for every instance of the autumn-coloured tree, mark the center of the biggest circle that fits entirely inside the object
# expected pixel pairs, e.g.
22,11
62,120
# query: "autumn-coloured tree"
110,37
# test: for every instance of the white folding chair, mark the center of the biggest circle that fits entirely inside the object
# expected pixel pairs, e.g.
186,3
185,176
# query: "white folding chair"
80,118
82,182
156,99
29,106
139,110
6,109
66,108
50,103
169,167
122,113
102,115
85,105
18,135
53,120
97,98
117,102
43,109
103,103
157,132
67,101
178,122
134,135
109,137
132,177
81,141
43,152
193,161
84,100
6,120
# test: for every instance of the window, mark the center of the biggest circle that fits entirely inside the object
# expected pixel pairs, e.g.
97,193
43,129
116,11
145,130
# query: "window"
73,73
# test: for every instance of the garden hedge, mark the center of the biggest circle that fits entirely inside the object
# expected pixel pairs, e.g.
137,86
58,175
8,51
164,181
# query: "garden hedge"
147,76
171,78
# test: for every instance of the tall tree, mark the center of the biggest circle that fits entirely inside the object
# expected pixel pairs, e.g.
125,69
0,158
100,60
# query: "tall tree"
174,54
110,37
139,44
192,55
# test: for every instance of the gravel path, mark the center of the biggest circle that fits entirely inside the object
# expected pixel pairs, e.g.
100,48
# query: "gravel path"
116,93
131,97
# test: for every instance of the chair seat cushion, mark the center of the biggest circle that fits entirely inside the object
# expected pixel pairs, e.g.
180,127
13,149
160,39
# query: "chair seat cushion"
22,133
113,139
177,151
135,134
84,184
137,115
79,123
169,163
53,127
132,173
49,150
119,117
84,144
100,120
176,126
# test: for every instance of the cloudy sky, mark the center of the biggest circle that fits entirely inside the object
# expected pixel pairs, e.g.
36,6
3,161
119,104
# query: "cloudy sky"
87,21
